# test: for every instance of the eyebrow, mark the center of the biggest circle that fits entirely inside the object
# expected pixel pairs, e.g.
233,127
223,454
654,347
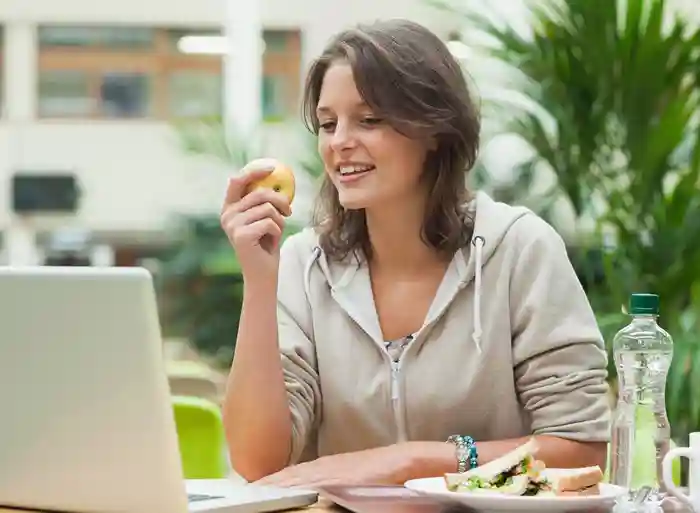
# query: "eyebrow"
321,109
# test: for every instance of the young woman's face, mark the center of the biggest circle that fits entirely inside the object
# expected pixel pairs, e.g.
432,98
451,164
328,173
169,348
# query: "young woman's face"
369,162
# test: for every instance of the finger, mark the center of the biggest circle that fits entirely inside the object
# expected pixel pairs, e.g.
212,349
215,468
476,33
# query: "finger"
258,212
254,232
289,482
312,483
237,185
265,195
298,479
275,479
285,475
260,164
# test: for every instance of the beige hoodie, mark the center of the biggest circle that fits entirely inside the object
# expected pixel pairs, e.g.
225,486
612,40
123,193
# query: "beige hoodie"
509,347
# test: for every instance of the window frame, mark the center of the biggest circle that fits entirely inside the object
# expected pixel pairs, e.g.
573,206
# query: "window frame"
158,62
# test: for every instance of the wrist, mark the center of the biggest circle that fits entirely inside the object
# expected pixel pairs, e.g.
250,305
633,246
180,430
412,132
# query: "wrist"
429,459
256,285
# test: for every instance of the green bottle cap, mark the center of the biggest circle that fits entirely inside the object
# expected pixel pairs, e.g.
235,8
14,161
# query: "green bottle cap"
644,304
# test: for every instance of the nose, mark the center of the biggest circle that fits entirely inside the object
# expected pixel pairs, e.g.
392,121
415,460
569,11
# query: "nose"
343,138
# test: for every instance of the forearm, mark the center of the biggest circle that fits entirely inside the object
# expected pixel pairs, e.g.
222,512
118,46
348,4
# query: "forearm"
428,459
256,411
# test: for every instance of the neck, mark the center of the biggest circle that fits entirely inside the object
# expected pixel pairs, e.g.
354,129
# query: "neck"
395,235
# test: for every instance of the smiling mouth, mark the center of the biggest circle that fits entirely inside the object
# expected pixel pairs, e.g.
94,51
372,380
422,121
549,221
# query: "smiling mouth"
354,170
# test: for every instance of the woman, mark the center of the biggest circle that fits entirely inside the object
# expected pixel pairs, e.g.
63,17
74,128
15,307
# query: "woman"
412,314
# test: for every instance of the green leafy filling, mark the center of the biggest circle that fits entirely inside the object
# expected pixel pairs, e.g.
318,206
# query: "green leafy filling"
504,479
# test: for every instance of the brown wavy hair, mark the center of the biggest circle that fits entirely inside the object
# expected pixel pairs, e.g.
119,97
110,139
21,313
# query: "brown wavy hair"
406,75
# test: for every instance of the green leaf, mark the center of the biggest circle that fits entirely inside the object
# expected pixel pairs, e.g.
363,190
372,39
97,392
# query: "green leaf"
612,95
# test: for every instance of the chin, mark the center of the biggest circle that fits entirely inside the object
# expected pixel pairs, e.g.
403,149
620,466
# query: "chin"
354,201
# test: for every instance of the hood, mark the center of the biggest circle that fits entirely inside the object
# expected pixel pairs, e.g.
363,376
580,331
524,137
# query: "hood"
492,222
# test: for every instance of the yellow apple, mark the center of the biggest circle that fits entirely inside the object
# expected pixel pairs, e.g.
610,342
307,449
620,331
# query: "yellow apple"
281,179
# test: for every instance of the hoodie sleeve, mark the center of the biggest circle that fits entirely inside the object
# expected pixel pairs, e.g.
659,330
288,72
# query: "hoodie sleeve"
560,361
296,342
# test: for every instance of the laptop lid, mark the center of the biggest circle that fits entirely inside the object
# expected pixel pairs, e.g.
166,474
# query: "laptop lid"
87,423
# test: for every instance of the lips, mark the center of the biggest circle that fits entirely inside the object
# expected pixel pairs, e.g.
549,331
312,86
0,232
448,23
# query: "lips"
354,169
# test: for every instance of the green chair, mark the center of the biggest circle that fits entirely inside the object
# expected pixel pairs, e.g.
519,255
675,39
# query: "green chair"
201,438
644,446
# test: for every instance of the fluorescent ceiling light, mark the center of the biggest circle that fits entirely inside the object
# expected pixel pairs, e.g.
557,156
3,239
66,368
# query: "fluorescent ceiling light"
209,45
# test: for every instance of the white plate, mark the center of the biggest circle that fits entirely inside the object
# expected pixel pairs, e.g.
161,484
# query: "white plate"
436,487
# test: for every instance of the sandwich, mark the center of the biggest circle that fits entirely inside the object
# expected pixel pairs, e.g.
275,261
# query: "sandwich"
575,481
515,473
520,473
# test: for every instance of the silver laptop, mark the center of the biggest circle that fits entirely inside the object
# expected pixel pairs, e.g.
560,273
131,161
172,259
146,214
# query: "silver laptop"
86,423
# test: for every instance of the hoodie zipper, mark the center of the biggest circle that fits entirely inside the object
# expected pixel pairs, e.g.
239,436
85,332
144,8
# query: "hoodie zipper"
395,370
396,403
395,387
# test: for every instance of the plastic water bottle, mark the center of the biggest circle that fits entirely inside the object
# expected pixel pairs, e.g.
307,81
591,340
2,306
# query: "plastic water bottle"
641,434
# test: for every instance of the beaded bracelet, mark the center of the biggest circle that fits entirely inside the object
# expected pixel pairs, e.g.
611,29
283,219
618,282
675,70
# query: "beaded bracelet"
467,455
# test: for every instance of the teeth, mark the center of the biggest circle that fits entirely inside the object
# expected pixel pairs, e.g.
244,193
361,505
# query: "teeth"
346,170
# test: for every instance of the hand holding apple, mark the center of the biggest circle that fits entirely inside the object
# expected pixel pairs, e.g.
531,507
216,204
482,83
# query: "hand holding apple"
252,216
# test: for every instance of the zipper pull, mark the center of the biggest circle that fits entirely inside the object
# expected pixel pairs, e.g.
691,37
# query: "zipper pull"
395,381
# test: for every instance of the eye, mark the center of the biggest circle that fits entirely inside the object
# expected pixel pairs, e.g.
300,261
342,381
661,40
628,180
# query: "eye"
327,126
371,121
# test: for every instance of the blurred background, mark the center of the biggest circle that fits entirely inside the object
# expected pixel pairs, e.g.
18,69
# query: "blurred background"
121,121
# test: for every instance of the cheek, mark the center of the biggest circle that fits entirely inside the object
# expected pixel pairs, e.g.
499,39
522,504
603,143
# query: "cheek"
388,145
405,162
324,149
406,173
